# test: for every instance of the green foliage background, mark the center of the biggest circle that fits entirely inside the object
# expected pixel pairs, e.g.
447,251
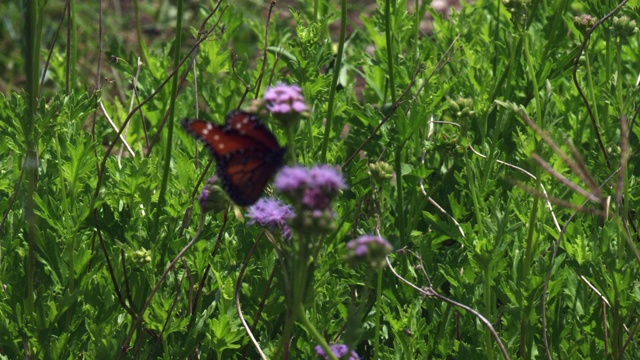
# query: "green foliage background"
89,227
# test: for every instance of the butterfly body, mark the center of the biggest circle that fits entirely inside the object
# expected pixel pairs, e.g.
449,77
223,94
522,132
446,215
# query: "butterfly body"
246,153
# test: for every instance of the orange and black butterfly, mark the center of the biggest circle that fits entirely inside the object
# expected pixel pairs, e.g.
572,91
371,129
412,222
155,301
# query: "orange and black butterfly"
246,153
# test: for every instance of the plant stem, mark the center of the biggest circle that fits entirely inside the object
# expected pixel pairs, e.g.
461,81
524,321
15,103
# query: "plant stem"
334,81
525,276
471,178
71,81
400,213
32,32
387,33
376,320
592,89
291,144
72,48
534,212
619,78
136,14
416,34
170,120
488,304
297,258
534,81
302,315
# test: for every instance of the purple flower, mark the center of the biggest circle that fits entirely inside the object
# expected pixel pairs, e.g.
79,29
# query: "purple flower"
313,198
271,213
361,250
284,99
291,179
338,350
311,191
369,249
314,188
327,178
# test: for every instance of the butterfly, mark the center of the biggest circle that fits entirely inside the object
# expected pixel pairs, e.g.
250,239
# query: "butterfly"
246,153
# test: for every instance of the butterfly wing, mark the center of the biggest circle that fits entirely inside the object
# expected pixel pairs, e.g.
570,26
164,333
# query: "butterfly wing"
250,125
220,140
246,153
245,175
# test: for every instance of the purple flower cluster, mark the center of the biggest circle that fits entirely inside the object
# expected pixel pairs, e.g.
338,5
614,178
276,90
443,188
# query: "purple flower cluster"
315,188
339,351
369,249
272,213
284,99
312,192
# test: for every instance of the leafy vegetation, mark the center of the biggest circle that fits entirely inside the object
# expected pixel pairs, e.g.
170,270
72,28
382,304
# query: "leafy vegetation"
492,145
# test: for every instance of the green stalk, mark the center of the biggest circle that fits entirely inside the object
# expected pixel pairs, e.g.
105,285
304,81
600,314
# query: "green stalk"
556,28
474,197
400,213
416,34
619,77
488,305
66,217
72,48
526,268
616,325
592,89
302,315
376,320
524,322
334,81
507,79
32,32
607,62
170,120
291,144
534,81
478,205
136,14
607,52
496,35
387,21
298,258
72,61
